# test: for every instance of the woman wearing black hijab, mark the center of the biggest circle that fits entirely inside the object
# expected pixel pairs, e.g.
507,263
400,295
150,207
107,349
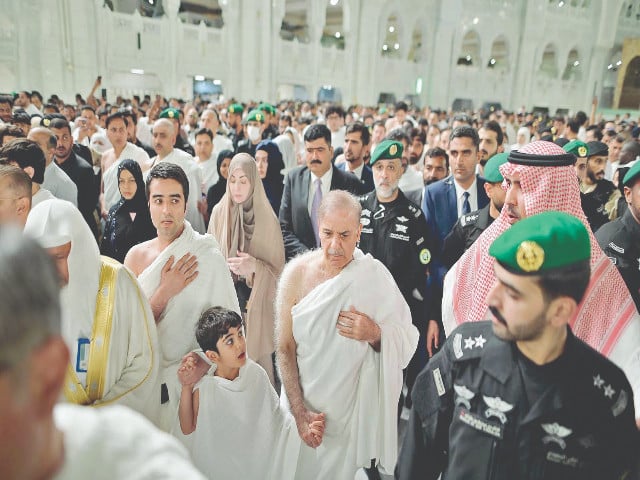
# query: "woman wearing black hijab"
218,189
129,221
270,165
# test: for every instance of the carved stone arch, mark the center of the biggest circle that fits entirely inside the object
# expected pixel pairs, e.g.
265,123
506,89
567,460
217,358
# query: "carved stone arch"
499,57
470,49
573,68
548,64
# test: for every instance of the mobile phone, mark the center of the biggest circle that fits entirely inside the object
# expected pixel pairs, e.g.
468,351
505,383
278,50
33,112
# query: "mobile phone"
104,93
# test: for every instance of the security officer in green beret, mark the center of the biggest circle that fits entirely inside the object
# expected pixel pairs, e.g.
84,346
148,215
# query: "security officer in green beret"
469,227
254,126
270,130
596,191
173,114
395,232
520,397
234,121
620,239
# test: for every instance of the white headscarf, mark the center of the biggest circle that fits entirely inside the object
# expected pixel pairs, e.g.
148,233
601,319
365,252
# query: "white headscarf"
56,222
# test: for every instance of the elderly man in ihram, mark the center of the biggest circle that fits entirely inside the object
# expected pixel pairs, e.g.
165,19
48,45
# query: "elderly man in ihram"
344,334
106,320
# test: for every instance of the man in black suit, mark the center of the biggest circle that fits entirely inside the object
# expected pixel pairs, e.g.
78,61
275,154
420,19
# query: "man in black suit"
78,169
356,147
304,188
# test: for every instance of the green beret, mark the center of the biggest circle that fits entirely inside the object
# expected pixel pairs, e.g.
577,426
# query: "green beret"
492,168
235,108
387,150
255,116
632,175
599,149
172,113
541,243
578,148
265,107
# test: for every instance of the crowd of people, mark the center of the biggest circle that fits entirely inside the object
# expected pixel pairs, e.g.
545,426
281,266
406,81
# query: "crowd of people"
271,286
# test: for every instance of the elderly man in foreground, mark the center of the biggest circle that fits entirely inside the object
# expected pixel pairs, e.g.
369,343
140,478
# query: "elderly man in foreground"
344,334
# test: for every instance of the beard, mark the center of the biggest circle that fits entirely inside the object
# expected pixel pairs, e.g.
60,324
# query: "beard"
518,333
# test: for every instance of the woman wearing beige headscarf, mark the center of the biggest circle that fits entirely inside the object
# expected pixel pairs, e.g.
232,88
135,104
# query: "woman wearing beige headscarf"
251,240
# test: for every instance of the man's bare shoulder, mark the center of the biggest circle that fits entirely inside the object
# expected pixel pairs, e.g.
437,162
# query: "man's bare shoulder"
141,256
298,276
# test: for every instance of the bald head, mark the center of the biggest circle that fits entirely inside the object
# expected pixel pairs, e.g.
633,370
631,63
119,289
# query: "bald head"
342,201
630,151
46,140
15,193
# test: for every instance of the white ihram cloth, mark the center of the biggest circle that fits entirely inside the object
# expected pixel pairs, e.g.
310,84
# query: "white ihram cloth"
40,196
115,442
242,432
177,324
356,387
132,367
110,176
194,175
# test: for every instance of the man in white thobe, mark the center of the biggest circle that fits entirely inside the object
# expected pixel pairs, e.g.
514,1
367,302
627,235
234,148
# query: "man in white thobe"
182,273
106,320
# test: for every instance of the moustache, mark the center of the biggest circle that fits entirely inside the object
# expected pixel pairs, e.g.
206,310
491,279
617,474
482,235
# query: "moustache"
335,251
494,311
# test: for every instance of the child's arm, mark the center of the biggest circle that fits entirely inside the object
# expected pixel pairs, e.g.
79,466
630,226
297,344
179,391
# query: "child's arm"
189,375
188,409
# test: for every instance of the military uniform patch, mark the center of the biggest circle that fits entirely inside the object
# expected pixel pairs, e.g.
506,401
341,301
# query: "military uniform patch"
425,256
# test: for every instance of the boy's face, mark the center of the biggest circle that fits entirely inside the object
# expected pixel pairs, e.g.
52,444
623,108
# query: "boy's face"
232,349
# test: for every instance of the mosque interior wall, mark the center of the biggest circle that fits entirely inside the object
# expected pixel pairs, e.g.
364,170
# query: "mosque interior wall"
547,53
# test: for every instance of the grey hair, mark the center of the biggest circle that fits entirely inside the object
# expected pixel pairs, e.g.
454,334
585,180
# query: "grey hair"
340,200
29,297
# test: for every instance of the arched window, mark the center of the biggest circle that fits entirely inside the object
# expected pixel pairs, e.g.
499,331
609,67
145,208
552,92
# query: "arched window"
470,51
573,69
391,44
416,51
549,64
294,24
195,12
499,59
332,33
630,95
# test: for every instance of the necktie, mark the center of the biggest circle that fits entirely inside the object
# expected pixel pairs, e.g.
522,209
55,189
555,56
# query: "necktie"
466,206
315,206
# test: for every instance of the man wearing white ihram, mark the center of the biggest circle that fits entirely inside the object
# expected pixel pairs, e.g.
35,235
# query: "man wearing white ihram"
182,273
344,334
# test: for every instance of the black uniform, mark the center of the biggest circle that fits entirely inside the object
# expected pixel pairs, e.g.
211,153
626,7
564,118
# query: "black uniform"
270,132
620,241
396,234
236,138
183,145
245,146
482,410
593,203
466,231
